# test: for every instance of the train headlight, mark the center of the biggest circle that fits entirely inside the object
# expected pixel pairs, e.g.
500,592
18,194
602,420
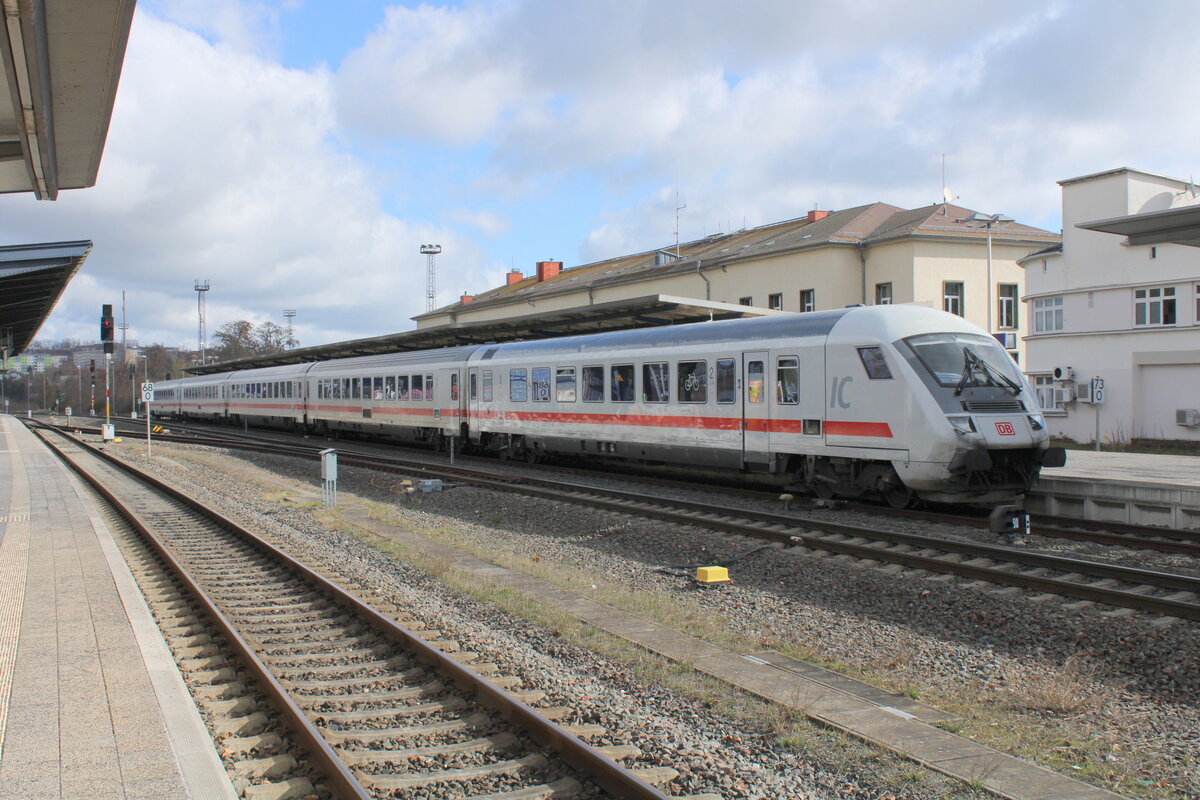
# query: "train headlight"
961,423
1037,422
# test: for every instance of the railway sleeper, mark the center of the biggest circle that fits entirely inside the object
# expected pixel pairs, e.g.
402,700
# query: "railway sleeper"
445,705
393,781
430,689
503,742
292,789
271,767
388,665
252,745
409,675
473,721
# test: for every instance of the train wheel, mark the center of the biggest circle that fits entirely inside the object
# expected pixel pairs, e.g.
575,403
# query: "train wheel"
899,496
822,490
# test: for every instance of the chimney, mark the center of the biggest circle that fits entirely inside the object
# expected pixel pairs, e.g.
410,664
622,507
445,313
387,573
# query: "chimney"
815,215
512,277
548,269
466,298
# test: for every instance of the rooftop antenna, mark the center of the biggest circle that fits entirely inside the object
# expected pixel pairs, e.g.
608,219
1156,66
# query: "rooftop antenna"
678,208
289,314
201,331
430,252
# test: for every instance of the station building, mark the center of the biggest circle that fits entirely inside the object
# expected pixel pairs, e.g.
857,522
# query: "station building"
870,254
1124,311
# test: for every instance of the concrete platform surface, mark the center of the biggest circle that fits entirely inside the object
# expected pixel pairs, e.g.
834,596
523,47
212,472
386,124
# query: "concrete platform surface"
1130,467
91,704
1133,488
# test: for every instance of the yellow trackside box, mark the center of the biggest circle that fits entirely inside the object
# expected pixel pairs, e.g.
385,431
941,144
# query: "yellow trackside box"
712,575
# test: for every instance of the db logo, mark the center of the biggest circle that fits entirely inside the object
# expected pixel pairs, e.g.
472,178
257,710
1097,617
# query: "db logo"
1005,429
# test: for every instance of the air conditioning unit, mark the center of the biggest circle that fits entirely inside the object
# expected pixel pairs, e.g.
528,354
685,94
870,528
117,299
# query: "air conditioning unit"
1188,417
1064,374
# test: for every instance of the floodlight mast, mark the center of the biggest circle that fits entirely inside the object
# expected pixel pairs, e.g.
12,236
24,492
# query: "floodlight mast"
289,314
201,332
430,252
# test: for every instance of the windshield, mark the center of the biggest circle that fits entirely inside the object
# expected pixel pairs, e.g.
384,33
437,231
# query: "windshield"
965,360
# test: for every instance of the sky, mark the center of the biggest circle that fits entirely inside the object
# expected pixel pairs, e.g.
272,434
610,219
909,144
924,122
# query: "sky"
297,153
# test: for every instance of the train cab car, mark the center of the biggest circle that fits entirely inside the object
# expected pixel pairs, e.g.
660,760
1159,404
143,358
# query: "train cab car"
413,397
270,396
857,401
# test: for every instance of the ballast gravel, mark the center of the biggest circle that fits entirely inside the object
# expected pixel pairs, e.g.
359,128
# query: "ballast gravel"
1135,681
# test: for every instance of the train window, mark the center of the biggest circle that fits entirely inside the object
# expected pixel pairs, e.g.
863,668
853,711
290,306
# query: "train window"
540,381
564,384
518,385
377,388
593,384
418,387
787,381
487,386
656,382
726,380
622,384
754,382
874,363
472,382
454,386
402,387
389,387
428,387
693,381
356,392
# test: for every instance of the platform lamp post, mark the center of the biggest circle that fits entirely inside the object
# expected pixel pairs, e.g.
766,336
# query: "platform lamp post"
977,220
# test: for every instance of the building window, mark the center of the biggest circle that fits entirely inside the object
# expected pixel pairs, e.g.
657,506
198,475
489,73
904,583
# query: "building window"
746,301
1006,309
883,294
1049,396
952,297
775,302
1154,306
1047,314
808,299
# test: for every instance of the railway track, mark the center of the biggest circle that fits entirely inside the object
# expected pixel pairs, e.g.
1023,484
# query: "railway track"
1162,593
1103,532
380,710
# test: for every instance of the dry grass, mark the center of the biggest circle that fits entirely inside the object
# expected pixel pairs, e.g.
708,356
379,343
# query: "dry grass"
1065,691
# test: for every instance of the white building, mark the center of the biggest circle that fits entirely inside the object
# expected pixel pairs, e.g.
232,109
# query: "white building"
1099,307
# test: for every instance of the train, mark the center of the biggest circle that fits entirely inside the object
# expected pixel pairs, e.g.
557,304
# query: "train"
898,402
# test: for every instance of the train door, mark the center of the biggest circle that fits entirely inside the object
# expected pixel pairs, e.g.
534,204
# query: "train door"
472,401
756,408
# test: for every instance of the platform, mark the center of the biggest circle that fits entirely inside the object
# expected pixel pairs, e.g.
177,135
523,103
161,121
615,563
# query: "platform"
91,703
1122,487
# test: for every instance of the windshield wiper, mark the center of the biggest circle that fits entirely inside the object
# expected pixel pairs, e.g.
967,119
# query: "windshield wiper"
972,362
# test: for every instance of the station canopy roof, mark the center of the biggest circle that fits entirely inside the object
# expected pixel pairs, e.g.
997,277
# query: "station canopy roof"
639,312
61,62
32,278
1172,226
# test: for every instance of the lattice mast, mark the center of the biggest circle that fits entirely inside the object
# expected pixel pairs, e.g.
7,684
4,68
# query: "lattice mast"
202,326
430,252
289,314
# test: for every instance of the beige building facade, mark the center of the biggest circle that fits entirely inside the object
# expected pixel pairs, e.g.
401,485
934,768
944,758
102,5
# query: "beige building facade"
873,254
1129,315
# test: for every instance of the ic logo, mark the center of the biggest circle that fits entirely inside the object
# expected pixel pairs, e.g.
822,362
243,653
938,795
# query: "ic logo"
1005,429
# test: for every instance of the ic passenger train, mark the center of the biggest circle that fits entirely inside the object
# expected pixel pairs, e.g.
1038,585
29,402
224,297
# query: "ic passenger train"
894,401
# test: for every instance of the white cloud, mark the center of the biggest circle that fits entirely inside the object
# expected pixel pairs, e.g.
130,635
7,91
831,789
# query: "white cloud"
223,165
764,108
486,222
